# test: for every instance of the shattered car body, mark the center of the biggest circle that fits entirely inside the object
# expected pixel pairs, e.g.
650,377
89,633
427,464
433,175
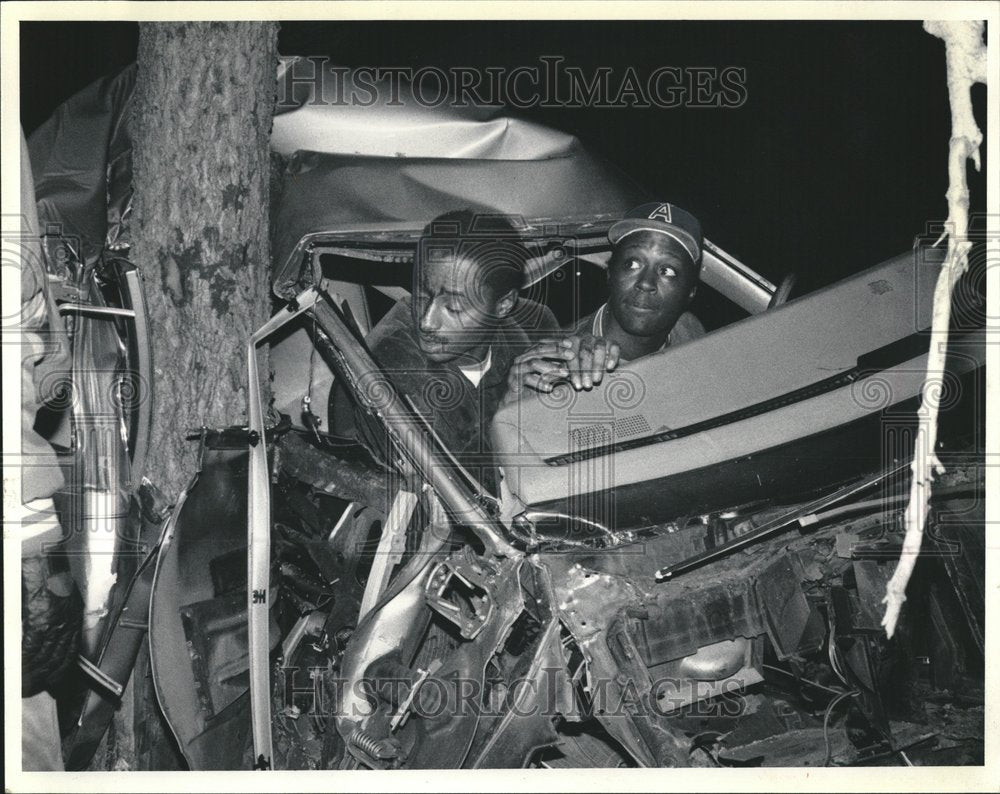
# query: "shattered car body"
683,571
669,546
613,628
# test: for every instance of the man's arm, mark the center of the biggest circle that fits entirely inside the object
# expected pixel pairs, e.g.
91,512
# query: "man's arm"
536,319
581,359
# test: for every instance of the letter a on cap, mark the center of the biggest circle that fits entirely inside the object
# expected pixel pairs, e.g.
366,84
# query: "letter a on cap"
661,213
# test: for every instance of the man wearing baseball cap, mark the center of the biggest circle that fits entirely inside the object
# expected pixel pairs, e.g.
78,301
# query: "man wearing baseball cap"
652,277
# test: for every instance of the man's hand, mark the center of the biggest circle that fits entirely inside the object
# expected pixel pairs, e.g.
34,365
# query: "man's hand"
581,360
593,357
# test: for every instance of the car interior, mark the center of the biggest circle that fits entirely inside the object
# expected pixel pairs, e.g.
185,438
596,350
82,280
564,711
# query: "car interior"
367,277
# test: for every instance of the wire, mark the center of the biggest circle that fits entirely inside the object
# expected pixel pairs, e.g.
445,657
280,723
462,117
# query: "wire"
834,653
831,646
816,684
309,417
312,361
826,723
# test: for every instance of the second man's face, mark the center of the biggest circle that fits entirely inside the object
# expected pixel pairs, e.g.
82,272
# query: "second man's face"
651,279
454,312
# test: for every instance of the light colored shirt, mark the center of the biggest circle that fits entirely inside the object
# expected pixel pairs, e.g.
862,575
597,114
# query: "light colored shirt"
475,372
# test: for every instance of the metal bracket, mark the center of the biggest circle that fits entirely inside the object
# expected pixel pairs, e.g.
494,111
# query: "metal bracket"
97,675
472,616
390,549
259,544
403,712
97,311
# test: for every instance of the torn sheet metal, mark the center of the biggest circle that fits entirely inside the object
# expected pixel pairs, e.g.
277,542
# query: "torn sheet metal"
349,166
81,158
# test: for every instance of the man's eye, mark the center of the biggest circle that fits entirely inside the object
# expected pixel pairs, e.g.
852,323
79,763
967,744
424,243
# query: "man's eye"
632,264
668,271
453,309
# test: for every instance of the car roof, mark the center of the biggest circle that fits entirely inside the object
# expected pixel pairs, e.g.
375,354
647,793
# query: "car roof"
384,171
368,176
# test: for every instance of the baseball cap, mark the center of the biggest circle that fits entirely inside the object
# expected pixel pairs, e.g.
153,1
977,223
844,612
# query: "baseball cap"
660,216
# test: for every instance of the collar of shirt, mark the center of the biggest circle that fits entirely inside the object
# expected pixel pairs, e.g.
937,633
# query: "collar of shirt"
475,372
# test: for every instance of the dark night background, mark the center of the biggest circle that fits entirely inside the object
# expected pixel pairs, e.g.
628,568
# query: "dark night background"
836,161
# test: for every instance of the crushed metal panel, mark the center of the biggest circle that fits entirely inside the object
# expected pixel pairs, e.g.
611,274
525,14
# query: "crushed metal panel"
81,158
312,113
871,578
794,625
678,626
330,192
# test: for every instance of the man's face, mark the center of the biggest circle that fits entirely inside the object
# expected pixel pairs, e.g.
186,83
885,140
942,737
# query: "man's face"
454,311
651,280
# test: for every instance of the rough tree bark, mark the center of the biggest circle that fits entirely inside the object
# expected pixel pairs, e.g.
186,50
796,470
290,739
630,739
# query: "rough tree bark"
201,167
203,104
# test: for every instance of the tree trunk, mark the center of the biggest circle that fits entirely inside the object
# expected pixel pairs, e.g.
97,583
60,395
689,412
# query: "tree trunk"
203,104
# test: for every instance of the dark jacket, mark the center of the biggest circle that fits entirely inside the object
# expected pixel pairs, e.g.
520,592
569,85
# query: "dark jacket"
458,411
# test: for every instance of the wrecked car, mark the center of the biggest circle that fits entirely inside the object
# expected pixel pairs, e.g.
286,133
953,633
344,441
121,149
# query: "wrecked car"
672,550
683,570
